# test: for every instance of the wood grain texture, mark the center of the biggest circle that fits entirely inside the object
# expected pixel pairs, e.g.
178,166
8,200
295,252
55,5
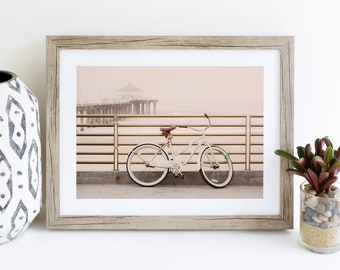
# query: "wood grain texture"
285,44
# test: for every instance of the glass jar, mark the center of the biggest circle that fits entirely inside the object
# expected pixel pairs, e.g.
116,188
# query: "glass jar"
320,219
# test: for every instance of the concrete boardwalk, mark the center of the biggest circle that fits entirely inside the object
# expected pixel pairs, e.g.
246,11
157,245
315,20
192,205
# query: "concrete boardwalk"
118,185
116,191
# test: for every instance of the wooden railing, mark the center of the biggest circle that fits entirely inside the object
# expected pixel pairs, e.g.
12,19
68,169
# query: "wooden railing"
104,141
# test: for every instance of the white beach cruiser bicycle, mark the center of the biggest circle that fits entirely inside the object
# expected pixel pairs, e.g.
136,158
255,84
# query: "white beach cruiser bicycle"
149,163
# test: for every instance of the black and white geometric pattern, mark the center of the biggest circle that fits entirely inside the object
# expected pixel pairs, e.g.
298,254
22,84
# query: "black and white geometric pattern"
20,158
6,186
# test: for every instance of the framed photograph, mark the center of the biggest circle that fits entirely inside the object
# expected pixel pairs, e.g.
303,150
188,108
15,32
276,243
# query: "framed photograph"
169,132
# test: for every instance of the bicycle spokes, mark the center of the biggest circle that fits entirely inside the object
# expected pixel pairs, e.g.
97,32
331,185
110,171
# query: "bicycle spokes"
143,164
216,166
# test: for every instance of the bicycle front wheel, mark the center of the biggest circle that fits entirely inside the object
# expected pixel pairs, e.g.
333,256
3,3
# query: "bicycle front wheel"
215,166
147,164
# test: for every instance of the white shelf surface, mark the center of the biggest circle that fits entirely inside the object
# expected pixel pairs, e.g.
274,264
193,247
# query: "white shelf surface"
40,248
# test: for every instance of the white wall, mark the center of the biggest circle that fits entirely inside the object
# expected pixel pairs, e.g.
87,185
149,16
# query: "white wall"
315,25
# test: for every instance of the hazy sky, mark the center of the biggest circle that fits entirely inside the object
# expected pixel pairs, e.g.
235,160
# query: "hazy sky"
227,90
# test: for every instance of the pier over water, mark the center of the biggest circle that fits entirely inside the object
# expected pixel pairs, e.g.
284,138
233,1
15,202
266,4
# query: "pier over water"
128,100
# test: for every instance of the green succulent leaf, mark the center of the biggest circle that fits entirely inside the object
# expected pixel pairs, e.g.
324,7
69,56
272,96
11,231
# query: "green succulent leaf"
328,184
285,154
320,162
313,179
327,141
318,147
301,151
308,153
335,168
294,171
328,155
337,153
299,165
323,177
333,161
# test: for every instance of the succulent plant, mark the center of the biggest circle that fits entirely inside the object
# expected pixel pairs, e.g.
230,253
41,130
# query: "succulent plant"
320,168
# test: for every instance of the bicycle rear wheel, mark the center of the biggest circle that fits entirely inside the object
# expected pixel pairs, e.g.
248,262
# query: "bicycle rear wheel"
147,164
216,166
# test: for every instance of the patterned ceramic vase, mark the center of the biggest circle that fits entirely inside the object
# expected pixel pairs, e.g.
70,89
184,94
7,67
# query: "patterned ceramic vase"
20,157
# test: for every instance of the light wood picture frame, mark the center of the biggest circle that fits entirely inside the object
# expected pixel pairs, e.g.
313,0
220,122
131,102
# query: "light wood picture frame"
70,58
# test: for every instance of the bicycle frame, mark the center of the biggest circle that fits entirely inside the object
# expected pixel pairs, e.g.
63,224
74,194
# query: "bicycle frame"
198,142
201,141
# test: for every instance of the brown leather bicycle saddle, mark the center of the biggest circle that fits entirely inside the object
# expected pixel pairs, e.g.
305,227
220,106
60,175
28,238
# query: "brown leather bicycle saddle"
167,130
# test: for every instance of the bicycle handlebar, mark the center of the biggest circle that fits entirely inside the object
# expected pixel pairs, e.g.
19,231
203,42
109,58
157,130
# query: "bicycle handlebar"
208,120
196,128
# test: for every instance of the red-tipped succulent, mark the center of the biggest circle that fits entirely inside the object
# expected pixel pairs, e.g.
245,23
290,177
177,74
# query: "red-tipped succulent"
319,168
